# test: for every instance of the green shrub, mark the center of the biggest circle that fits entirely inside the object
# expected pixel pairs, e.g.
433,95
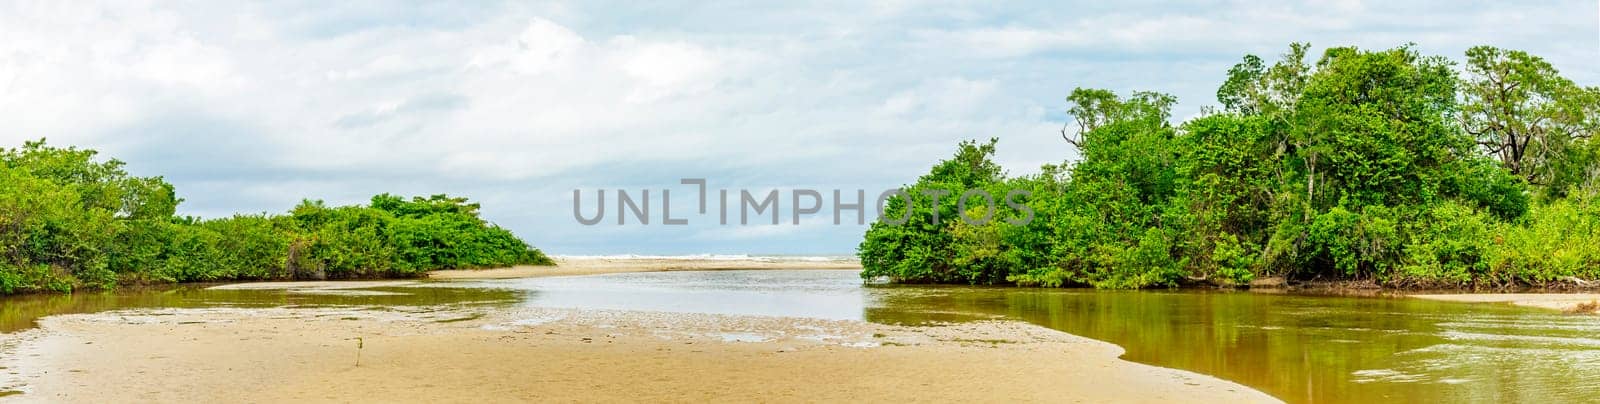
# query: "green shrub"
1235,260
1560,239
1448,247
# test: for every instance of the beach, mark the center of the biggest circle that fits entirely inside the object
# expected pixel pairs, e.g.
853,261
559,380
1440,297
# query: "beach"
461,354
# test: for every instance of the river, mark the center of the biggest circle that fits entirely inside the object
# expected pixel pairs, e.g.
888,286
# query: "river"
1300,348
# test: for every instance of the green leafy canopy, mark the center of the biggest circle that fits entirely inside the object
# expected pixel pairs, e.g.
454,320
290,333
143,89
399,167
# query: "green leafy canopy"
1387,166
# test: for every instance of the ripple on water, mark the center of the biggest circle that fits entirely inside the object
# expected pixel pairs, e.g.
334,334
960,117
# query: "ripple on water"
1526,339
1551,374
1526,325
1384,375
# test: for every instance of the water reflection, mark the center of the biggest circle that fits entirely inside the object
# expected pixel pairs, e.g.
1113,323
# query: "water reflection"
19,312
1299,348
1312,348
826,294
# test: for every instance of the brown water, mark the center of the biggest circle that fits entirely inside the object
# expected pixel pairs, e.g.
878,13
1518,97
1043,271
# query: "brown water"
1298,348
1312,349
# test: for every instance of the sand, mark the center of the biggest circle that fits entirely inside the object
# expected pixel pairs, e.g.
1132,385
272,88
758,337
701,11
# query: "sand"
1554,301
476,354
427,355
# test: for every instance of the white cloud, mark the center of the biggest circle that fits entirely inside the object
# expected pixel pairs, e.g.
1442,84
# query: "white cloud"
249,108
542,46
943,97
663,66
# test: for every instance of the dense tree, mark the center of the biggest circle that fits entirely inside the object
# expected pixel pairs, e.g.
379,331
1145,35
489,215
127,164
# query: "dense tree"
70,221
921,249
1355,167
1231,194
444,232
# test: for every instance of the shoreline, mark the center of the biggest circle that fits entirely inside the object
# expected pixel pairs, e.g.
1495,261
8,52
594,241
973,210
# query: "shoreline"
599,265
474,353
470,354
563,267
464,352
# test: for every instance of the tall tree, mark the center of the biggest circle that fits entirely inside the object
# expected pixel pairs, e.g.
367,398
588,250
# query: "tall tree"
1254,89
1523,113
1092,108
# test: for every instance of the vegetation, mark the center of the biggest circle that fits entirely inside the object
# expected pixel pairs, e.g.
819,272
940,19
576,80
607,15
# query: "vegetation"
1383,166
69,221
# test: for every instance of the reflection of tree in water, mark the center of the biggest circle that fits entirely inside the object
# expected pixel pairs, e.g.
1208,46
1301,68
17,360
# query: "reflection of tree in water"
1297,347
19,312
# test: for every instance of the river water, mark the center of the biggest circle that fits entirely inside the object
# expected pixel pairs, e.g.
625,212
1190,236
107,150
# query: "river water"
1300,348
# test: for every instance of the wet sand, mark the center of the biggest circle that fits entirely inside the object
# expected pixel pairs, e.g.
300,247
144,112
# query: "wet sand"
461,355
465,353
1556,301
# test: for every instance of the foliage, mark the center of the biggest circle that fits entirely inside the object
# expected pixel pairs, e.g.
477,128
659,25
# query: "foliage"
1522,112
921,249
1370,165
445,232
69,221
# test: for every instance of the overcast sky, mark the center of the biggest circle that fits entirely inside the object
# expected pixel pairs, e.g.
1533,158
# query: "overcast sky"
250,108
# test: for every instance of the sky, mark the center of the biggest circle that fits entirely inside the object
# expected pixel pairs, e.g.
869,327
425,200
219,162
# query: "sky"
251,107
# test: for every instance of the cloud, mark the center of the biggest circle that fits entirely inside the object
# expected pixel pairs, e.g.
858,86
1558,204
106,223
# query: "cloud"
542,46
250,108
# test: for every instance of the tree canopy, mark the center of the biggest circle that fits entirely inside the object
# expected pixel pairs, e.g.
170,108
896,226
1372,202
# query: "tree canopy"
71,221
1386,166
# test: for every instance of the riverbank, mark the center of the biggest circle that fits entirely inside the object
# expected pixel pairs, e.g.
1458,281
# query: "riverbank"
1566,302
464,354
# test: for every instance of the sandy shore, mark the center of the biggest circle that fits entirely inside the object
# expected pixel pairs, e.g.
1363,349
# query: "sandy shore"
461,355
474,354
1556,301
592,266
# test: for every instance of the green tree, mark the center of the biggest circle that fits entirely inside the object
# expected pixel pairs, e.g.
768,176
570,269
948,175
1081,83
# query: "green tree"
922,249
69,220
1365,165
1525,114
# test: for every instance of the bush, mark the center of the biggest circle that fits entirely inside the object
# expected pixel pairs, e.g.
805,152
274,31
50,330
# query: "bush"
1560,239
251,247
440,232
1449,247
1235,260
